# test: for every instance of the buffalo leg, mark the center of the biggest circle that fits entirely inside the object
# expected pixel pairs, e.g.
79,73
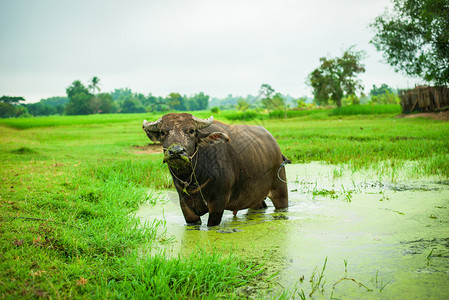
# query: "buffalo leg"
189,215
261,205
279,191
216,209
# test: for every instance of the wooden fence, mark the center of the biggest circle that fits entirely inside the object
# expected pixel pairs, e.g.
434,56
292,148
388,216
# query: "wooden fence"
424,99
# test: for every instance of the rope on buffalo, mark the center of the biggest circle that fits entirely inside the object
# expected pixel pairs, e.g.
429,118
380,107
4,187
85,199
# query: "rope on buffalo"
193,175
196,180
185,183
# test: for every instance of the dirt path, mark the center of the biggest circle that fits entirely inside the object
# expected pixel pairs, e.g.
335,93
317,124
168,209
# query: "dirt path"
148,149
442,116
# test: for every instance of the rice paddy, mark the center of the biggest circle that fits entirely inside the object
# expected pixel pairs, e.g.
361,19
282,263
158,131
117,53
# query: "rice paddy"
71,188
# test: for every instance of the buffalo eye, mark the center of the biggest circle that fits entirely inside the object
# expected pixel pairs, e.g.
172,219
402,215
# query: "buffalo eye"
191,131
162,133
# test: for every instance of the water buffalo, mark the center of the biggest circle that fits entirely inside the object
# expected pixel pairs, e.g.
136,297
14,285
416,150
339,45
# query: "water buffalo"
216,166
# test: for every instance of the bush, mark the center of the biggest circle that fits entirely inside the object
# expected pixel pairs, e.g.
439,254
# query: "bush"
385,98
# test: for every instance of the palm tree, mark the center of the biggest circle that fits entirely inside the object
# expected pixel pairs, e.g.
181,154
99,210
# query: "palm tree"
94,85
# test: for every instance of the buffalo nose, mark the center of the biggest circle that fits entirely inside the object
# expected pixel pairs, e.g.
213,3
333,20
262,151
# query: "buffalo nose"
176,150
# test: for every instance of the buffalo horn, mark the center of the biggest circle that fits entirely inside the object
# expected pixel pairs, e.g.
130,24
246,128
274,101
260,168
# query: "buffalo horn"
202,123
151,126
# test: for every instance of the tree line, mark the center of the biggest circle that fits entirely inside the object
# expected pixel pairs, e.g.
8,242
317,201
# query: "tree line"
84,100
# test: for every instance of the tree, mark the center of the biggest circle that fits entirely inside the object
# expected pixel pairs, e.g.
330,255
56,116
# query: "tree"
277,102
6,110
40,109
76,88
132,105
228,102
414,38
301,102
80,104
383,89
121,94
270,99
175,101
9,106
80,100
21,111
203,101
197,102
266,92
153,103
103,104
49,106
11,100
385,98
383,95
56,103
242,105
336,77
94,84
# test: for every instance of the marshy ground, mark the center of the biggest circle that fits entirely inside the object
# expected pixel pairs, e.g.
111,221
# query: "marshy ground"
378,237
76,219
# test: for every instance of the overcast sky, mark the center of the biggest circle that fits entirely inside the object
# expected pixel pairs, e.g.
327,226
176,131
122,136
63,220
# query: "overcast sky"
218,47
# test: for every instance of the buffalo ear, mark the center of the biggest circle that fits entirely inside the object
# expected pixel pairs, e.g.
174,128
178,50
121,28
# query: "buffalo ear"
214,138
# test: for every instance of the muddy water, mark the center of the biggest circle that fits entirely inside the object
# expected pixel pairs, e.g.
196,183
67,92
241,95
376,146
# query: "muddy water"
373,237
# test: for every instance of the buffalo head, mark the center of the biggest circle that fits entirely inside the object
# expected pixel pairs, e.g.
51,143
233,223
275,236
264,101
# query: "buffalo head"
181,135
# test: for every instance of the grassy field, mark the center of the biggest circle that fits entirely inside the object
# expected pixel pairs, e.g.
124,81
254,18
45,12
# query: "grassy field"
368,142
71,185
314,114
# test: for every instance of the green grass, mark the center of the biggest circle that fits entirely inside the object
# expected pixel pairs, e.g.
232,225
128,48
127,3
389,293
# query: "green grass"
366,142
67,225
248,115
230,115
70,188
151,173
366,110
47,121
200,275
309,113
59,225
86,120
318,113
